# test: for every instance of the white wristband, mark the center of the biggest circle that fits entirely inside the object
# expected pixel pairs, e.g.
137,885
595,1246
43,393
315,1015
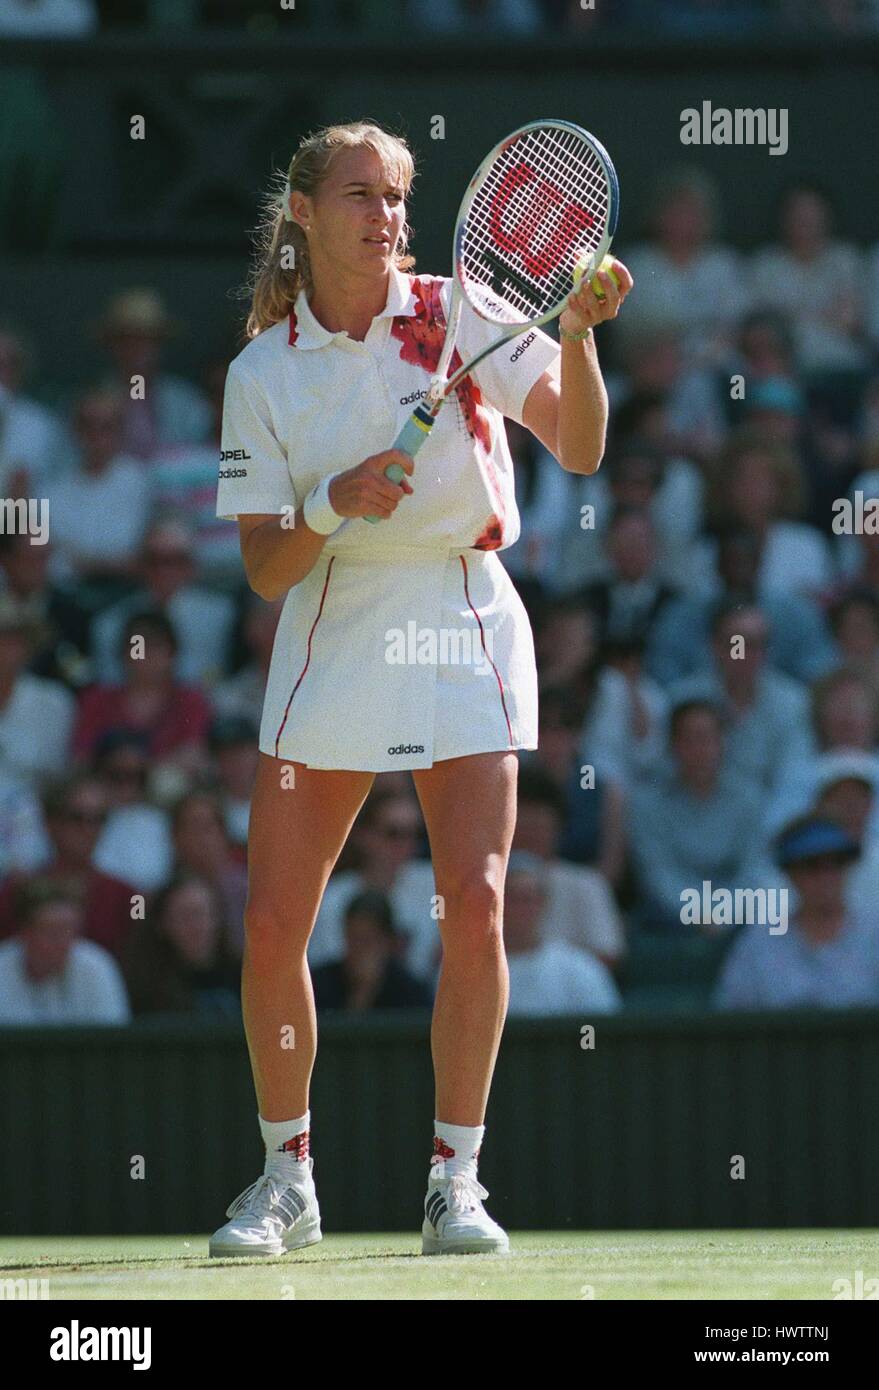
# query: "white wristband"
317,510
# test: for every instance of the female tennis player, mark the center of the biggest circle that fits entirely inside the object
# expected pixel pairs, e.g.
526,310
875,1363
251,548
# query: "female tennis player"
341,345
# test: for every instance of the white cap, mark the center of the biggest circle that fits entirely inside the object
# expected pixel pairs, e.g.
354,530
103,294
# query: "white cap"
843,765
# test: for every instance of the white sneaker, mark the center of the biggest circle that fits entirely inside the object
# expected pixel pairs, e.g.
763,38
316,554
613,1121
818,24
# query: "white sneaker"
455,1221
269,1218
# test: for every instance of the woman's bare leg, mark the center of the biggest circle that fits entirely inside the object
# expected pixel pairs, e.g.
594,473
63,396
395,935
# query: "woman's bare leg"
469,807
295,836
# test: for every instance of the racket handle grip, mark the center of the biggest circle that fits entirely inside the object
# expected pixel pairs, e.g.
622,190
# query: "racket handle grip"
414,433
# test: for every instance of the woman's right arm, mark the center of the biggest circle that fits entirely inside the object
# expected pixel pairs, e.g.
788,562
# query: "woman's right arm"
278,555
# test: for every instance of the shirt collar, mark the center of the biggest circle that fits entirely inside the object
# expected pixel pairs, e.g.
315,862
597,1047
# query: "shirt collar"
306,332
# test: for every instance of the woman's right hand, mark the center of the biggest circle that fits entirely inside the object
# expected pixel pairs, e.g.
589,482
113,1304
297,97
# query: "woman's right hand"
365,491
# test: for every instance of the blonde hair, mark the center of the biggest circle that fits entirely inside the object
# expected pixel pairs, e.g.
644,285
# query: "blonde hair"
273,288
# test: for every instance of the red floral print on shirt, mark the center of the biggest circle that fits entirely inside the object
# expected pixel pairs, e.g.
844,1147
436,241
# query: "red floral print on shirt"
421,337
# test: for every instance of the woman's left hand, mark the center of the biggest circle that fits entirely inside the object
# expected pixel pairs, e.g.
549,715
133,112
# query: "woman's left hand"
584,308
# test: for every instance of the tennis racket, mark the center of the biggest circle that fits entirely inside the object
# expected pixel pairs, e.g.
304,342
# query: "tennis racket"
542,206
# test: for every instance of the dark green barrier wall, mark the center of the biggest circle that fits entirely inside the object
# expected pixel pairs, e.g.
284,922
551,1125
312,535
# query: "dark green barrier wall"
637,1133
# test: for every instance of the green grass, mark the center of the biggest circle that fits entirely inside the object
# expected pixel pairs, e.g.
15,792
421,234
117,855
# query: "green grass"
545,1265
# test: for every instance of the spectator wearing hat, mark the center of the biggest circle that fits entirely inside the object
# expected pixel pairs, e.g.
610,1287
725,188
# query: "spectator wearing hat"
370,975
202,846
135,843
828,957
36,715
32,443
547,976
766,714
75,812
99,509
800,643
178,960
700,820
233,743
61,623
844,720
845,792
202,621
243,692
174,716
579,907
133,330
48,973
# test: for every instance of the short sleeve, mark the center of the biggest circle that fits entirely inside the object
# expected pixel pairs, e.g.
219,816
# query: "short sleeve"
254,476
506,376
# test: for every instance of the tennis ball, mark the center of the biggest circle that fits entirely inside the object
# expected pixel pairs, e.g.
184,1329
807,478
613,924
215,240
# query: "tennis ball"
596,284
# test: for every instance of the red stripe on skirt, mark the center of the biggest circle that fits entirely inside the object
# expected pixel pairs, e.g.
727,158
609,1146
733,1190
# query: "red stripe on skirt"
500,684
307,656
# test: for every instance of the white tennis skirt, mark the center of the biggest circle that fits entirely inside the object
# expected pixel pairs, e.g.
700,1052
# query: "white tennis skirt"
399,659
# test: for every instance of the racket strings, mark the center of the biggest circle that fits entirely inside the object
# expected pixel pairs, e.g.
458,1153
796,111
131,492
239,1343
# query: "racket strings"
543,203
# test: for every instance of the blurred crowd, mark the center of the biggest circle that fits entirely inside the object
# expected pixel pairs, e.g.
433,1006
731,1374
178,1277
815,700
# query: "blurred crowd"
708,655
677,18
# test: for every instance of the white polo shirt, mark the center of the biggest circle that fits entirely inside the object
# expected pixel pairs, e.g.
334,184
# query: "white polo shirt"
302,402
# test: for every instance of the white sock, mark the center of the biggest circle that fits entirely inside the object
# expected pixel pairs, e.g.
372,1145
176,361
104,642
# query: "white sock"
455,1149
287,1145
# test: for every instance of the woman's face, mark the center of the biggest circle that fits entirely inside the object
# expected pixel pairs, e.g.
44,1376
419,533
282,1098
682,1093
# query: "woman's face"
356,217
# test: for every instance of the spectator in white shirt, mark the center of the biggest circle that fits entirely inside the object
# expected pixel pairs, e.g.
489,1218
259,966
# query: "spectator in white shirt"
32,443
817,281
547,976
766,713
580,908
203,621
48,974
135,843
36,715
24,843
98,511
386,837
759,483
686,279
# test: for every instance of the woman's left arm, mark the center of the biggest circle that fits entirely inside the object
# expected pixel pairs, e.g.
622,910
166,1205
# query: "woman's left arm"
569,416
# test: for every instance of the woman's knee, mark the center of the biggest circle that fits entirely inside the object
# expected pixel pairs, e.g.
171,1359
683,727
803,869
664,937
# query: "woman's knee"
473,907
273,935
